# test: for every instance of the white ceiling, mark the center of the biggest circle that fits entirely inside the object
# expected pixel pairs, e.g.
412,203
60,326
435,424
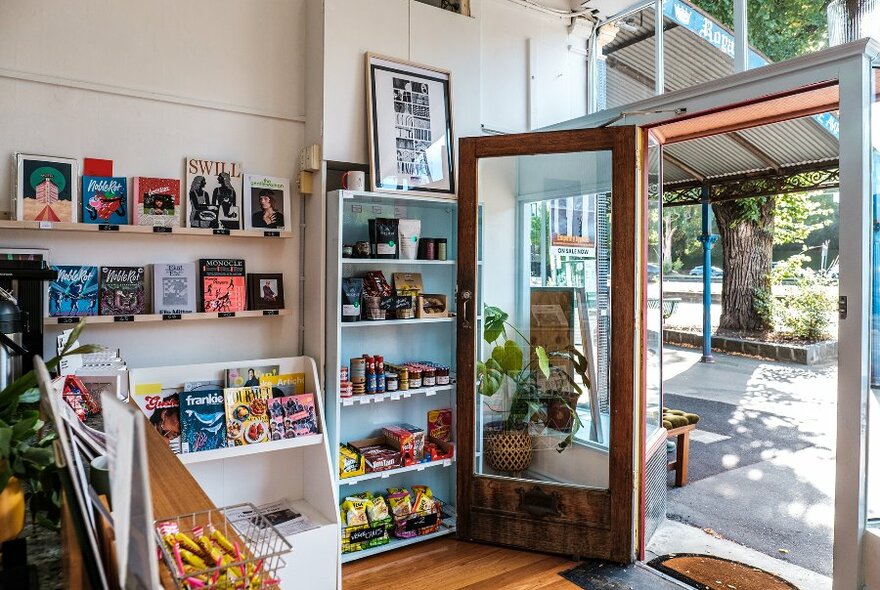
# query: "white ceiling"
610,7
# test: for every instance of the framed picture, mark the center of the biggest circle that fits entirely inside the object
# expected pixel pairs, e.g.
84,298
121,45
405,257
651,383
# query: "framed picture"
409,114
46,188
266,203
266,290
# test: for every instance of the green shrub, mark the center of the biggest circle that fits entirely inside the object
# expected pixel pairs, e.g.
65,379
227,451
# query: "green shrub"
807,313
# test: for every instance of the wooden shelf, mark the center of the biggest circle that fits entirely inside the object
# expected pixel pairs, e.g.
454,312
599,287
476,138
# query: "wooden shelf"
414,321
395,261
388,473
158,317
396,543
394,395
142,229
266,447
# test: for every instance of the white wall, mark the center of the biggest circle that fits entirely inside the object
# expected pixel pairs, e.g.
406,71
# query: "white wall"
147,84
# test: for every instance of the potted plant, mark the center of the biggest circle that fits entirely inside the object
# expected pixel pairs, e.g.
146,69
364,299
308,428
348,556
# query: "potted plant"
519,392
26,454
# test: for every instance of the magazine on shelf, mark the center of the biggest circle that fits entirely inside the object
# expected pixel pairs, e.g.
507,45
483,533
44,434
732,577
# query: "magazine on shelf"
105,200
156,201
123,290
174,288
281,514
214,193
222,285
162,408
74,292
247,415
249,376
284,384
202,418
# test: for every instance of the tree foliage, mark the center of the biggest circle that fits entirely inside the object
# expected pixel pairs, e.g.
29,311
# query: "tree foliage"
780,29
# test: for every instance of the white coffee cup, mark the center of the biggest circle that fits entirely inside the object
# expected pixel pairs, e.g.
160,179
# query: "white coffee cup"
354,180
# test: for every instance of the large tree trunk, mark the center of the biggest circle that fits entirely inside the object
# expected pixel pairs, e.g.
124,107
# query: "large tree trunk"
747,240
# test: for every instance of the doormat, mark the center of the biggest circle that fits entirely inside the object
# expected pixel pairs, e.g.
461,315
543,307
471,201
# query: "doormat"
595,574
706,572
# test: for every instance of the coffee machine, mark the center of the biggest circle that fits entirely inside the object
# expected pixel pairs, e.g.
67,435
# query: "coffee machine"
22,296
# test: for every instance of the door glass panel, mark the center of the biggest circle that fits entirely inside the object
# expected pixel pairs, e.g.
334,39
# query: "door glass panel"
543,392
874,398
658,306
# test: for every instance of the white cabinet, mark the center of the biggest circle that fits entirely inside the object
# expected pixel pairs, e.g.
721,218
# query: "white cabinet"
297,470
397,340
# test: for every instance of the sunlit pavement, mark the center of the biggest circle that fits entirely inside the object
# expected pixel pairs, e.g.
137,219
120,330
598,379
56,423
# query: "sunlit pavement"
783,498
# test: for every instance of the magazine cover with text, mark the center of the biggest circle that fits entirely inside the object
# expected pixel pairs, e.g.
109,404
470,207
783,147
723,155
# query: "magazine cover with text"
247,415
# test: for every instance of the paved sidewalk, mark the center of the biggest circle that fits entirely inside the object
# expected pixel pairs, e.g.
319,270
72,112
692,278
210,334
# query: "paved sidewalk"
762,459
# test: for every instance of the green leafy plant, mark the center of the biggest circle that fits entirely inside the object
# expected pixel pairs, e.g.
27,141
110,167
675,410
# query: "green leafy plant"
807,312
25,444
507,371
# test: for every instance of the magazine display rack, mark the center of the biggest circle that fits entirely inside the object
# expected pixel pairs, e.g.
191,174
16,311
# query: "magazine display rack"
429,339
298,470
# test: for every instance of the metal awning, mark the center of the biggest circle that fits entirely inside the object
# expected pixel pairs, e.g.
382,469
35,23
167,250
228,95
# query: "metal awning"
762,159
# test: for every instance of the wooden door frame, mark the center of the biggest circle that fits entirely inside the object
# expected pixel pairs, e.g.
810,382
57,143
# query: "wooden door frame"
618,502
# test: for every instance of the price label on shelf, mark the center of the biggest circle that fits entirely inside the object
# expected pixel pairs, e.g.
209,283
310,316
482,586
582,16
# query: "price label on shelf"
364,400
171,316
45,225
226,314
221,231
356,208
123,318
447,462
430,391
161,229
406,395
272,234
108,227
395,397
270,312
380,399
377,209
385,475
420,467
347,401
68,320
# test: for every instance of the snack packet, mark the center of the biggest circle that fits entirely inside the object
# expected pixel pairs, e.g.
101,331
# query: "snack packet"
355,512
424,490
400,504
378,510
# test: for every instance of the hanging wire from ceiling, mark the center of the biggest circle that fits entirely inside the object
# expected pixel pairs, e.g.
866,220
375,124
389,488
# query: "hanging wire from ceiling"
590,14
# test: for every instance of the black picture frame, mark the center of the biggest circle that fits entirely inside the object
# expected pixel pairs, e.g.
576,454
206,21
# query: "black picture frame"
410,127
259,285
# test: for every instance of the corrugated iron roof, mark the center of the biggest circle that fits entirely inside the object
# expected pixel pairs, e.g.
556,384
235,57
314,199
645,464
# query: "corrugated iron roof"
690,60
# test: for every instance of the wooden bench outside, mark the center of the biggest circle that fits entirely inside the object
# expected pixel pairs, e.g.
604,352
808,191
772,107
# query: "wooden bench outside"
682,436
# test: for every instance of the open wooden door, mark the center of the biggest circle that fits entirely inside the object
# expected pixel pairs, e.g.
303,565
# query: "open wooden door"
551,255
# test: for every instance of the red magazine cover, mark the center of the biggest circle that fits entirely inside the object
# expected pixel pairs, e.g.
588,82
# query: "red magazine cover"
156,201
223,285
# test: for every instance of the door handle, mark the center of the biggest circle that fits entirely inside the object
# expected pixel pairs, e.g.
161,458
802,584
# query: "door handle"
465,303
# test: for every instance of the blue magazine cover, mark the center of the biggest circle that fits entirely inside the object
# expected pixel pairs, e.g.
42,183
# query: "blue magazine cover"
105,200
74,292
202,419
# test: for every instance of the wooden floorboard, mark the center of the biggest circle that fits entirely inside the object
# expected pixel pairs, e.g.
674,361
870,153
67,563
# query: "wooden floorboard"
448,564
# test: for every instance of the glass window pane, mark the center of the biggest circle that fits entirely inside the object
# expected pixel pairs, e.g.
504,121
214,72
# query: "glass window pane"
698,43
626,69
545,277
785,29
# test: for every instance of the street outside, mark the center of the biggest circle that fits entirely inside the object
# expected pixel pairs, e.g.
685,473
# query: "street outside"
762,457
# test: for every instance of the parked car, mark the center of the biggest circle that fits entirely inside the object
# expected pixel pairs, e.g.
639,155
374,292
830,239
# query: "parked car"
653,272
697,271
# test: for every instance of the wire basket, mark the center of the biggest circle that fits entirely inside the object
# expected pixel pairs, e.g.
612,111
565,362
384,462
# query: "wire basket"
423,522
234,547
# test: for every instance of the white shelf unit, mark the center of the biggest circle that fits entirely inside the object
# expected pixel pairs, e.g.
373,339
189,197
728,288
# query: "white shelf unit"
360,417
298,470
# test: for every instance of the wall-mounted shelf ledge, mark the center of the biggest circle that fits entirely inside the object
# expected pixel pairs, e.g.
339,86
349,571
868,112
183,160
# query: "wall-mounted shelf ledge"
143,229
243,451
394,395
395,261
158,317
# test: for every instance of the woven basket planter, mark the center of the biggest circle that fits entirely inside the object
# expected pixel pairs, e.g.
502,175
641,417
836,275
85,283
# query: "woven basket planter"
509,451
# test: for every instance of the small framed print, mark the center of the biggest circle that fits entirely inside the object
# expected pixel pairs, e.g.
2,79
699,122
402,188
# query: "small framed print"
266,203
266,290
46,188
409,114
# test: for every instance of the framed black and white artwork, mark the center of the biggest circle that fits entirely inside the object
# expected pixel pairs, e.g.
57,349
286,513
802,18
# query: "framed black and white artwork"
410,127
